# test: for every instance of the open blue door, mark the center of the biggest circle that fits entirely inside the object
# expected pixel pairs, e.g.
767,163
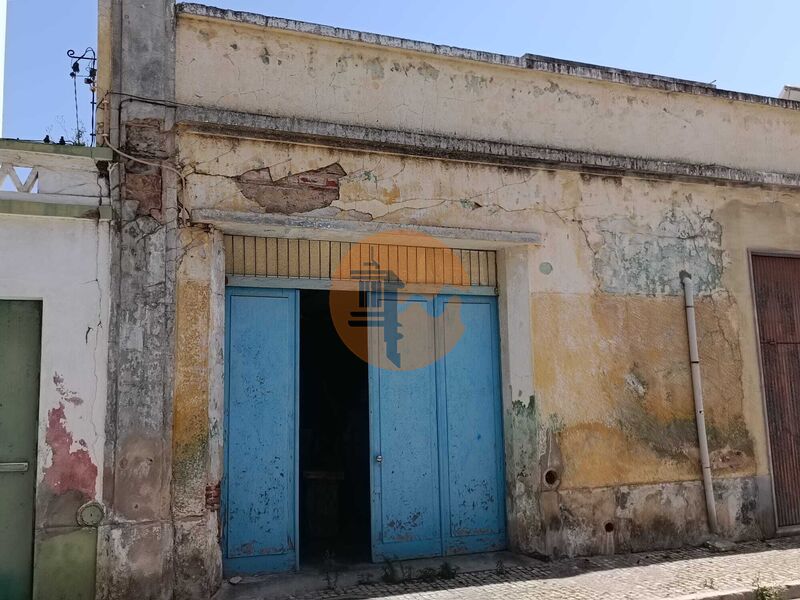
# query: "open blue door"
470,425
436,430
259,497
406,520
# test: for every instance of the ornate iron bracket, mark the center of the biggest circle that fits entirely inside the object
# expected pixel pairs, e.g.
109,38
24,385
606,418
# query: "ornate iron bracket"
89,57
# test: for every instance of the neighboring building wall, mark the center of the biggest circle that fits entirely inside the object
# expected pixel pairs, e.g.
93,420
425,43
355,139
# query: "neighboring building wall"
55,248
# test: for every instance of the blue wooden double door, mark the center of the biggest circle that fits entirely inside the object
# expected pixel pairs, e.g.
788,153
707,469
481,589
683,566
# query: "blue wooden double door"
435,429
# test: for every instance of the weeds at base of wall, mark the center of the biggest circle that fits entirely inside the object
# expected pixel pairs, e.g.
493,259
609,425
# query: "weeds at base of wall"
762,592
331,570
396,572
448,571
500,568
428,575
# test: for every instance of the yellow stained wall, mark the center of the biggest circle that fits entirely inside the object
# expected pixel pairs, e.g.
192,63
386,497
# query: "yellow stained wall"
610,347
192,361
612,403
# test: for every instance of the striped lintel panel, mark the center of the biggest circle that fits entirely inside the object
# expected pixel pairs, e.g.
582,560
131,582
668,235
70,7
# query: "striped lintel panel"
316,259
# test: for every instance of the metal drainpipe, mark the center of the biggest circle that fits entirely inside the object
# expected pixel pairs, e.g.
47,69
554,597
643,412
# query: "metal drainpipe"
697,391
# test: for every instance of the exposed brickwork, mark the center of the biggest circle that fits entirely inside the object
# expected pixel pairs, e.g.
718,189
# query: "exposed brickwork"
213,497
147,142
145,137
143,186
296,193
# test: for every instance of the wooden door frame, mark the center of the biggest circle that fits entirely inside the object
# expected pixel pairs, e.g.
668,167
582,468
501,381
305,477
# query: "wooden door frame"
777,253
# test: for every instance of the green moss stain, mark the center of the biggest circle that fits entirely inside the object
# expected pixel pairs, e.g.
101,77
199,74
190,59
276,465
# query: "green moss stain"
190,459
636,259
676,438
525,433
733,435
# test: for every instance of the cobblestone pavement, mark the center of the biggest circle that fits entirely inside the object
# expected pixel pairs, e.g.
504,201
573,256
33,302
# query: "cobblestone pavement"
689,573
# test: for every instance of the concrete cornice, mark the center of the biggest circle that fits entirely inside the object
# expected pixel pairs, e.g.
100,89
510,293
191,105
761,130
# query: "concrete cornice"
355,137
526,61
293,226
95,153
9,206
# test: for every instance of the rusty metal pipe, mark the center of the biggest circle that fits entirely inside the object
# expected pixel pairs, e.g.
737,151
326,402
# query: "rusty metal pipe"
697,392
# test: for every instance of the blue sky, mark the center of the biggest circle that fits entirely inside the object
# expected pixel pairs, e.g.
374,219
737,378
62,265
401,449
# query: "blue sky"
749,46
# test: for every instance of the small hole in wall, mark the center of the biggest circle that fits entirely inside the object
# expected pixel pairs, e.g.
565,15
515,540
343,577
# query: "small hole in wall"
609,527
550,477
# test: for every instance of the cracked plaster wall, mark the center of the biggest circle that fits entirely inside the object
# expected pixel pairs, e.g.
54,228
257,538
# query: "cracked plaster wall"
611,408
613,394
197,410
281,73
65,264
135,557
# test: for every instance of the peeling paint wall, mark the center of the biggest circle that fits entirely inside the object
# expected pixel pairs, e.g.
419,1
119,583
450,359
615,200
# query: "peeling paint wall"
349,82
136,543
64,263
197,417
612,409
601,451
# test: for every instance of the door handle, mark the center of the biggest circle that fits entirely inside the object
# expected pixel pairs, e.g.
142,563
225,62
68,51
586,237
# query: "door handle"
13,467
379,458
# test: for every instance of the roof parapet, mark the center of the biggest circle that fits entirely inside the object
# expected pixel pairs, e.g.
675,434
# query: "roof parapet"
790,92
526,61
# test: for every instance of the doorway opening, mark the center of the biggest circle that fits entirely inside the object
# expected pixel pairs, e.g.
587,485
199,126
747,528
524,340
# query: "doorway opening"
334,440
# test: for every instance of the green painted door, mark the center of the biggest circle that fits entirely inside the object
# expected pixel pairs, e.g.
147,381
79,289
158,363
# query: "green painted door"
20,346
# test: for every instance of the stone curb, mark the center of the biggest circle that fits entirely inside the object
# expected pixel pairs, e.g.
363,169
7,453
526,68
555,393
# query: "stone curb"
788,591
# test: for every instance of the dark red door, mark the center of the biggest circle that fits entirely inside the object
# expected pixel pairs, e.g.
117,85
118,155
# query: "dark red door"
777,294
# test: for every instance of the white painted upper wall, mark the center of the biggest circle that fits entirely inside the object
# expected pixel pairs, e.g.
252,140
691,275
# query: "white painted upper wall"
230,64
65,263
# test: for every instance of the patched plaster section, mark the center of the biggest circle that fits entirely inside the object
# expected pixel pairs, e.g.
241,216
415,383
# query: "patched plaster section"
630,260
